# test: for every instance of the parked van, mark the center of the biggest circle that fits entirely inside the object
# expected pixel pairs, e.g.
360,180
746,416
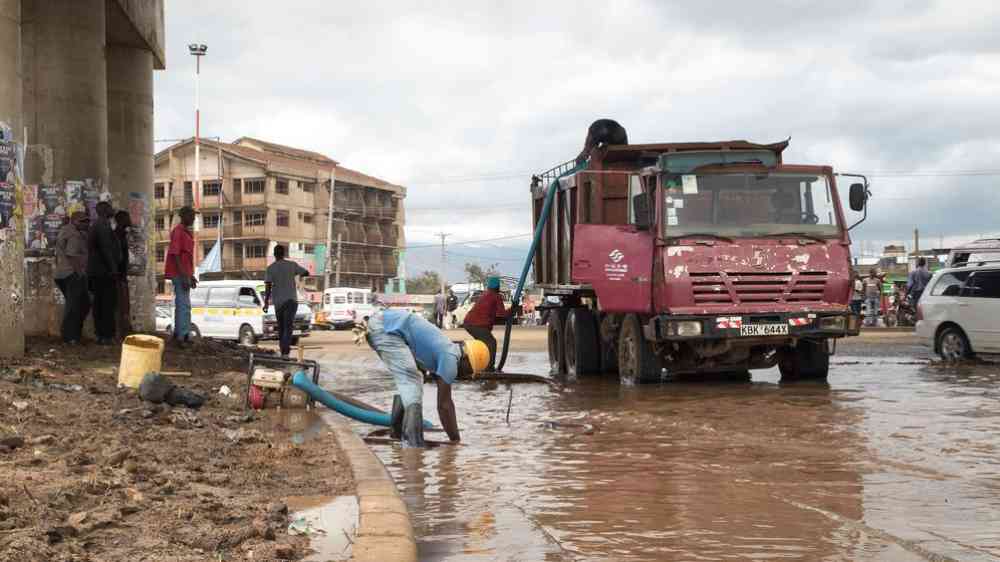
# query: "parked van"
342,306
232,310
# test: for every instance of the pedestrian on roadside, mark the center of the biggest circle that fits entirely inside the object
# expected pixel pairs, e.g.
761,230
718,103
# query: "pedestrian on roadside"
480,319
279,281
917,281
103,275
179,269
857,293
71,275
407,344
873,297
440,309
123,224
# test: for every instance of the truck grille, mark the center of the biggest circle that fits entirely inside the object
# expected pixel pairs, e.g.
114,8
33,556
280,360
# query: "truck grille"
725,287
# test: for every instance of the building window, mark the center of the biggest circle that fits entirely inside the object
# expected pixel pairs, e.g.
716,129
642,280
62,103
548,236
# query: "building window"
253,186
158,191
236,185
210,221
256,251
254,219
207,247
188,194
307,187
211,188
308,249
282,218
159,223
161,254
237,217
307,218
281,186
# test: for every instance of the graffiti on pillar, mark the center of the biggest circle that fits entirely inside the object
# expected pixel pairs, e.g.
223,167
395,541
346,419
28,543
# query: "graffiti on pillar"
137,234
8,184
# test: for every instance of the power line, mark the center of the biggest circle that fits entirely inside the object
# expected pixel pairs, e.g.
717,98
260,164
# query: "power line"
471,241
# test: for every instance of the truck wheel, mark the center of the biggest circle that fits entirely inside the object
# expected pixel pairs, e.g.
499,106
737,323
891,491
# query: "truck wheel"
808,360
637,364
247,336
582,349
557,354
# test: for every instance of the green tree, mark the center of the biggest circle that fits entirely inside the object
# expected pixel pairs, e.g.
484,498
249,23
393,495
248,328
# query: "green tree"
476,274
427,283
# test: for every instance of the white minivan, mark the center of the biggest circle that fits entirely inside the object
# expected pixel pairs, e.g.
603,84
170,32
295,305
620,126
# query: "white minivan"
232,310
342,306
958,312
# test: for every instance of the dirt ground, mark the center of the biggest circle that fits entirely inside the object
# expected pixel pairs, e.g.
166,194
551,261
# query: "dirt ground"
94,473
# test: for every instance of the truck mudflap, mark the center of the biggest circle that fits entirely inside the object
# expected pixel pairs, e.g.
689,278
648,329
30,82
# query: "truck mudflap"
775,325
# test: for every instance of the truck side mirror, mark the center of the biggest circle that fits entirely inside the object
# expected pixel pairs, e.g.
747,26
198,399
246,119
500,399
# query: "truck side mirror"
640,210
858,197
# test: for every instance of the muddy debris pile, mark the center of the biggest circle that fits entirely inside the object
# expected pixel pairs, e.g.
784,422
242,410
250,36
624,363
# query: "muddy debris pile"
93,472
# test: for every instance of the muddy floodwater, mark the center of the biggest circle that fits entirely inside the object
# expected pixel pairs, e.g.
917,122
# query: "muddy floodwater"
896,458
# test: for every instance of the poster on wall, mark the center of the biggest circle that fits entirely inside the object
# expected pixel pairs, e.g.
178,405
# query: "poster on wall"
8,159
137,255
7,202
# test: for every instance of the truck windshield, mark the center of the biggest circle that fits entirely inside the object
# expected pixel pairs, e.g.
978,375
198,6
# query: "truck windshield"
746,205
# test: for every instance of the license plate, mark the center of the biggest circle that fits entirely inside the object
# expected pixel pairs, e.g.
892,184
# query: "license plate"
764,330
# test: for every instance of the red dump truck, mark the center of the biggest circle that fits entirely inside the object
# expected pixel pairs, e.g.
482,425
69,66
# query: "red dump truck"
700,257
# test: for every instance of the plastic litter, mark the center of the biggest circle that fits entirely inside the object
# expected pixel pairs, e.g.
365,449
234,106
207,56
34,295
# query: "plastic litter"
302,526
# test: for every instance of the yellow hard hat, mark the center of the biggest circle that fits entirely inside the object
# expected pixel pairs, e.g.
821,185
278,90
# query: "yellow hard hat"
478,354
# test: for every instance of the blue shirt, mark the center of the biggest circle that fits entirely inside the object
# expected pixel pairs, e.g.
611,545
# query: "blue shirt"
431,348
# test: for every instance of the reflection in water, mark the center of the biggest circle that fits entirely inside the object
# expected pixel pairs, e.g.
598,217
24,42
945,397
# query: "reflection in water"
683,471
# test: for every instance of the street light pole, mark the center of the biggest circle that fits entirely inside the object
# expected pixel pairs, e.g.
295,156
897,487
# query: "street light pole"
329,237
198,50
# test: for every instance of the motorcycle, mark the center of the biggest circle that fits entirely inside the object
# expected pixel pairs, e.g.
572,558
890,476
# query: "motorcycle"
902,313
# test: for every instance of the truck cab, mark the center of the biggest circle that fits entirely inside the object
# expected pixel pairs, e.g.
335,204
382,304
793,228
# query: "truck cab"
695,258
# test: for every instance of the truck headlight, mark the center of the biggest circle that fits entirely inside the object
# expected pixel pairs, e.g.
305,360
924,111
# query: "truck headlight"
684,328
832,323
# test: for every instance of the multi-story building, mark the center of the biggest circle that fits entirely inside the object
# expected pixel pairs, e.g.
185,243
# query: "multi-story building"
261,194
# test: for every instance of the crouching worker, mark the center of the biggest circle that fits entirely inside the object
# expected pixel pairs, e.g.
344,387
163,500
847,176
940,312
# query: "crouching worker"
407,343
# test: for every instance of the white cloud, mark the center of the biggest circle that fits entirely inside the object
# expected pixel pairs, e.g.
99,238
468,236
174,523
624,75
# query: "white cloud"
425,91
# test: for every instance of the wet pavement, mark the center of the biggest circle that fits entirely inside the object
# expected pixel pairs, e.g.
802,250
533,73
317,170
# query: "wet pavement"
894,459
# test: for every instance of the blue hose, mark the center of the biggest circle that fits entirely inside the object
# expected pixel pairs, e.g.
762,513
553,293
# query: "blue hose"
302,382
539,228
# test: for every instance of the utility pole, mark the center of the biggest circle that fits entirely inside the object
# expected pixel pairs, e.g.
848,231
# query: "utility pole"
443,235
198,50
329,235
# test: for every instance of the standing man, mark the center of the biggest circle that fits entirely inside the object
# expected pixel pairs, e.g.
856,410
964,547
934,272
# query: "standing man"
873,297
917,280
123,222
280,281
71,275
180,270
479,320
857,293
407,343
103,256
440,309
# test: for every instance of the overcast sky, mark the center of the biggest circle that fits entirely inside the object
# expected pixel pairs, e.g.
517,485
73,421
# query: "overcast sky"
462,101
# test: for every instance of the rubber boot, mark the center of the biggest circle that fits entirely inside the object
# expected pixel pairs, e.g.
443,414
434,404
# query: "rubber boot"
413,426
396,418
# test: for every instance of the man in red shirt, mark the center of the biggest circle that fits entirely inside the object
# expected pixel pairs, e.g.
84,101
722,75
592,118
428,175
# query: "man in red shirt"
479,320
180,270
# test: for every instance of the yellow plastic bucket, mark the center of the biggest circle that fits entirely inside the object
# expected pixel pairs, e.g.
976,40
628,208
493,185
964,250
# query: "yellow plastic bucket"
140,355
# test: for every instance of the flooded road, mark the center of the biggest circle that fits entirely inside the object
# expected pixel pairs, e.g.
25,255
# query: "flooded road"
894,459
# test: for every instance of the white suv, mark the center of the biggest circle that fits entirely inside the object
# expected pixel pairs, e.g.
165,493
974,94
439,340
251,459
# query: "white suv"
959,312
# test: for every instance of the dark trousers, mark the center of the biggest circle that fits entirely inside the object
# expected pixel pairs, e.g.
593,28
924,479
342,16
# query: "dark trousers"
286,323
74,290
124,320
485,335
105,312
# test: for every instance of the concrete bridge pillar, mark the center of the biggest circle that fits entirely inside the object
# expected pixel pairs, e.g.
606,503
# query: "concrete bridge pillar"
66,116
130,161
11,235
